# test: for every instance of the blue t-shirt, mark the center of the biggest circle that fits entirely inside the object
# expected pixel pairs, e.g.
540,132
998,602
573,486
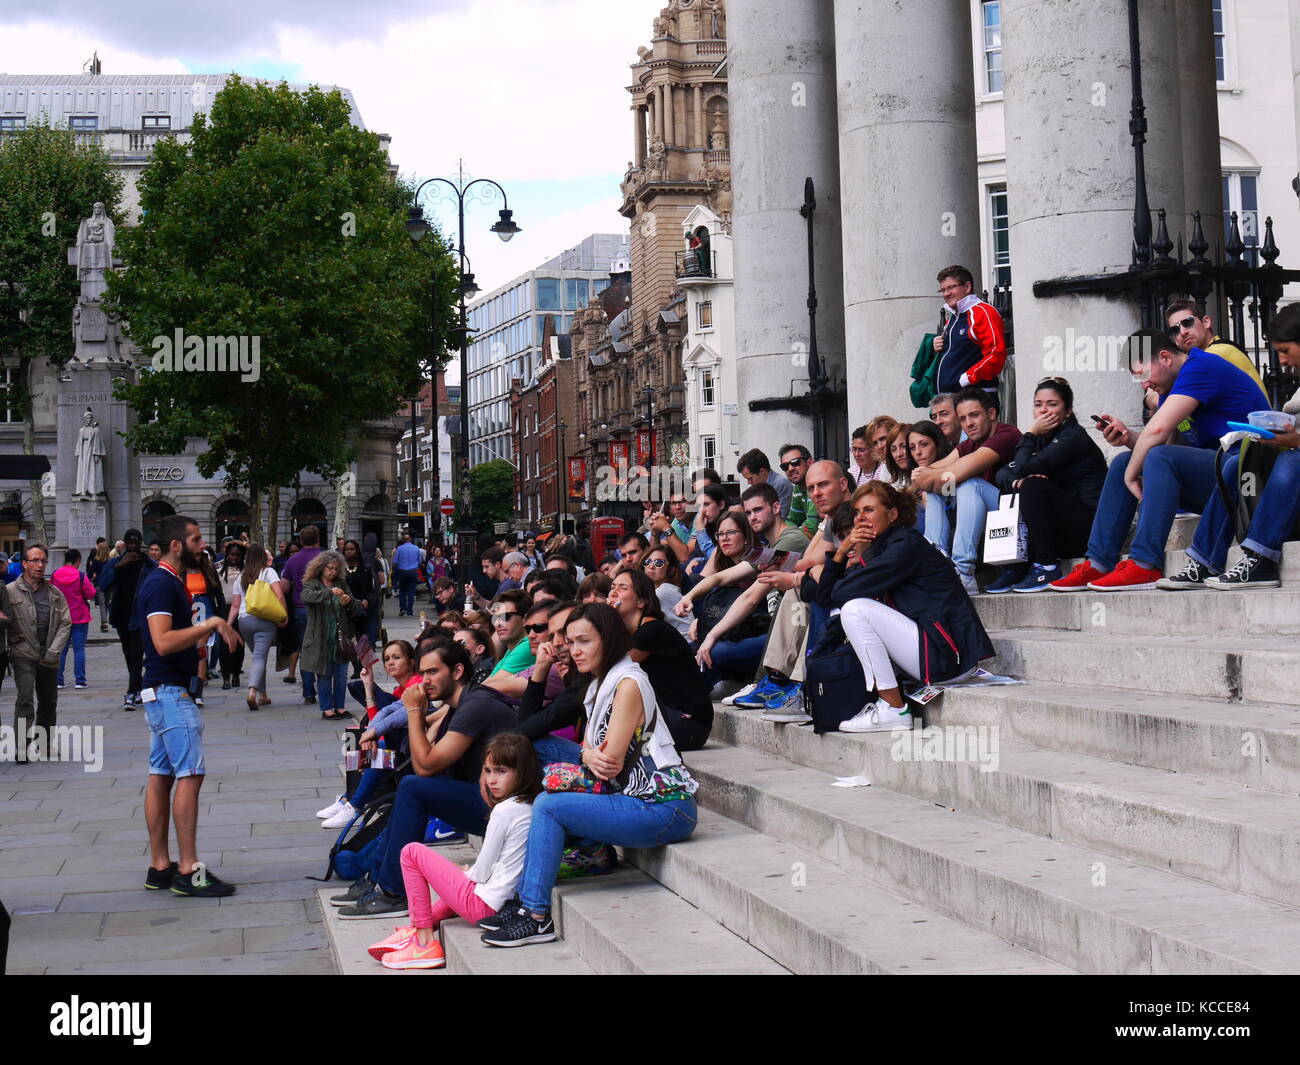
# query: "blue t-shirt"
1224,394
407,556
162,592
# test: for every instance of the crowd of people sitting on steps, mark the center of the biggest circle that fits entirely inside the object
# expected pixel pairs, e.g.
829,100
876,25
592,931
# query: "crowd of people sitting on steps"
546,704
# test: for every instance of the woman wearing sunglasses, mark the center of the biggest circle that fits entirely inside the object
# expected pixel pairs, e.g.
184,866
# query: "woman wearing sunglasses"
661,567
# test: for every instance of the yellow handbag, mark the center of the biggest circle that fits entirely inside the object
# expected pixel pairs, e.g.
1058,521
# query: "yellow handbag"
263,603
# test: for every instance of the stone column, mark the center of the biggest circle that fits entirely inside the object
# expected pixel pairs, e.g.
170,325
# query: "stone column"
701,134
658,101
1070,183
638,133
670,118
781,89
1199,103
908,171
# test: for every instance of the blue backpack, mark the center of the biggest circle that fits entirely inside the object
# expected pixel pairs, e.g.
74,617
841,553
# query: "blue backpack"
353,857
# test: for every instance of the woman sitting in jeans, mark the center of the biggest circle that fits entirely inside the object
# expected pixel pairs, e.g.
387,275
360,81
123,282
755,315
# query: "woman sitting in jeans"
327,597
627,748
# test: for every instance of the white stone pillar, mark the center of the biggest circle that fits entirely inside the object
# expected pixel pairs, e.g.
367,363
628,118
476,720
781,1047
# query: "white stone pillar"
701,134
781,92
1070,183
909,179
1202,171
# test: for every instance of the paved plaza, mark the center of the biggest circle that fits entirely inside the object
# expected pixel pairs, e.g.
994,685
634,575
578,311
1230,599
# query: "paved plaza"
74,848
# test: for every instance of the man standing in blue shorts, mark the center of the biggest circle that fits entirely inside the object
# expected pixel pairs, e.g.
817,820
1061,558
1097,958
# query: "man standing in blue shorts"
171,666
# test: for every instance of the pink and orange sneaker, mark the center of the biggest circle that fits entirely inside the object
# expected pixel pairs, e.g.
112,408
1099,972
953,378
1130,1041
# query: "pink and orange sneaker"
399,939
414,956
1078,578
1128,576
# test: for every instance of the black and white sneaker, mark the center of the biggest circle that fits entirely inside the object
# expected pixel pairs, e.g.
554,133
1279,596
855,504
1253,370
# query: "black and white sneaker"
1253,571
200,884
523,928
502,916
1193,575
358,891
378,903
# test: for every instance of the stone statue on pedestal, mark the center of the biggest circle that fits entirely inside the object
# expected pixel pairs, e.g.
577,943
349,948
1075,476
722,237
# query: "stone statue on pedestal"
96,239
90,458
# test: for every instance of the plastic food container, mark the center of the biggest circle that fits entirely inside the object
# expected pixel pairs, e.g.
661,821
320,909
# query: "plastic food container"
1272,420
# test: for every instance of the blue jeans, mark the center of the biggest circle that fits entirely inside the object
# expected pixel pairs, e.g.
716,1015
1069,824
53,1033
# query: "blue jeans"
1275,515
1173,478
77,645
333,686
556,749
458,802
616,819
735,660
176,733
972,501
357,690
407,581
308,678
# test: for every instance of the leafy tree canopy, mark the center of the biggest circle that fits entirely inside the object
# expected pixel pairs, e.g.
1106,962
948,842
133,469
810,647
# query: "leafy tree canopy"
492,492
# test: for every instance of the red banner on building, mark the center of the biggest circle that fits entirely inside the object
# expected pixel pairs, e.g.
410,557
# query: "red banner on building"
618,453
645,448
577,479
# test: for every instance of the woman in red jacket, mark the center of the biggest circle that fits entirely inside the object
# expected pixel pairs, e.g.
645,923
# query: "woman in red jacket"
79,593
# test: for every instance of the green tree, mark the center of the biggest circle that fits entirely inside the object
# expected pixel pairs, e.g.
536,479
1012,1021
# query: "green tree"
279,221
491,492
48,183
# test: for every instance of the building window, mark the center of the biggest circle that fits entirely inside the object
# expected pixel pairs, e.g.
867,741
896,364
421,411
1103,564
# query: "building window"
706,389
548,294
83,122
12,123
1241,194
575,293
709,451
992,45
1000,231
156,122
1220,42
9,386
704,315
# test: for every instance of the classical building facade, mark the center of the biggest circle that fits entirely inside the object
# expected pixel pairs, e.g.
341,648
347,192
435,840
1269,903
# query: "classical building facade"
126,115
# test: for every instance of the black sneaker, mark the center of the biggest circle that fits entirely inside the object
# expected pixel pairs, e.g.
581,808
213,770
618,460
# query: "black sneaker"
376,903
201,884
1193,575
130,701
1007,579
502,916
308,699
358,891
1253,571
157,879
523,928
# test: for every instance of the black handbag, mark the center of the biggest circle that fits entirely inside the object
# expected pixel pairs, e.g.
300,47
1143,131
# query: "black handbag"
714,606
834,687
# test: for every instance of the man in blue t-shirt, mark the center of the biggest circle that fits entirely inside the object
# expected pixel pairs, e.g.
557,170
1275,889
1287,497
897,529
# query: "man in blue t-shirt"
1199,394
406,568
171,666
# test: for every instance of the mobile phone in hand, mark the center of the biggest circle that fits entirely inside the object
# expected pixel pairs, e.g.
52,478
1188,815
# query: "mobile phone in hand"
1102,423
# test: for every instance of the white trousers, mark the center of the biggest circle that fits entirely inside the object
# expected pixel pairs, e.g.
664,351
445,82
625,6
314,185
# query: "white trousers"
882,638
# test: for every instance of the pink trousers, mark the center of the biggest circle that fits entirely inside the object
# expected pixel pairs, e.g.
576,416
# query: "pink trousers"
423,869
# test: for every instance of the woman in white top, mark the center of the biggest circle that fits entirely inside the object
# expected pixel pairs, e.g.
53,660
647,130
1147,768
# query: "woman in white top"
511,781
647,794
257,633
660,565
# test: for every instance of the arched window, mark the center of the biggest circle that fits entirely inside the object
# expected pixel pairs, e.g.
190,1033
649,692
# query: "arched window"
154,513
310,512
232,519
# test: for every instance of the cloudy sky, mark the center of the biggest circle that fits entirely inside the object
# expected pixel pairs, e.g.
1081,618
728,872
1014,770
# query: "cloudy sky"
530,93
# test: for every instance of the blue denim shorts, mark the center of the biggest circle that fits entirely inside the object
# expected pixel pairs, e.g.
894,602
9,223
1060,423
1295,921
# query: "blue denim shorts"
176,730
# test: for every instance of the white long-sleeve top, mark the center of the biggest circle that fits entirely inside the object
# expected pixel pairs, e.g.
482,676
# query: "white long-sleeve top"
500,864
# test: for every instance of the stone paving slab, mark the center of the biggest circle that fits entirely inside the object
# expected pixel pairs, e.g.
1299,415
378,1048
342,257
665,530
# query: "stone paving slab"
74,847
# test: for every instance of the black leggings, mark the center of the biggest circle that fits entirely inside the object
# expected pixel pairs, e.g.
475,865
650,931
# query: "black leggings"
1058,523
689,733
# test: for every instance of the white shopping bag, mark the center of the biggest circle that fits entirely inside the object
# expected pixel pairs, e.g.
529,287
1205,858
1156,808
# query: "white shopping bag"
1006,537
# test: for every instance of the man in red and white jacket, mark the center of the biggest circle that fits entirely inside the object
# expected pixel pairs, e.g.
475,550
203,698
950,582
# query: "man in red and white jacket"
973,348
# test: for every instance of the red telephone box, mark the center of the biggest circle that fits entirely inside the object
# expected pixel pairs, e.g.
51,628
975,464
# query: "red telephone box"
605,536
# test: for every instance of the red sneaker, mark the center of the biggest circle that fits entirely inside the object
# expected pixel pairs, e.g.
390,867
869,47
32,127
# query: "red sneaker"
1077,579
1128,576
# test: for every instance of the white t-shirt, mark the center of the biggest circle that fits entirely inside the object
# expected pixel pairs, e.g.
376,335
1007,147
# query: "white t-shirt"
268,575
500,864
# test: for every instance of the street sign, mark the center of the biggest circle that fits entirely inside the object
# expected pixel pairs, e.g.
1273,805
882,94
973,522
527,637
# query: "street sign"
448,507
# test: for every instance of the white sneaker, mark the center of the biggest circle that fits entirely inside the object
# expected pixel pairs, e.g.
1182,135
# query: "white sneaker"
342,818
730,700
878,717
333,807
788,716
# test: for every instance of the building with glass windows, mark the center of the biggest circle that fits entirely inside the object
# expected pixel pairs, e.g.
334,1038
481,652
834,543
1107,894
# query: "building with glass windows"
506,327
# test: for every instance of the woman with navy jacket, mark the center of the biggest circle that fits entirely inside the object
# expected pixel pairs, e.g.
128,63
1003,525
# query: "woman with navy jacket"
903,608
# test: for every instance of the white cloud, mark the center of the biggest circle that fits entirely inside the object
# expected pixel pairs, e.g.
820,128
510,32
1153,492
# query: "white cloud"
50,48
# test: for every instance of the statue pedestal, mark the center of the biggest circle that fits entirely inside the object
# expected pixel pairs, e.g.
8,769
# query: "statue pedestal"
79,520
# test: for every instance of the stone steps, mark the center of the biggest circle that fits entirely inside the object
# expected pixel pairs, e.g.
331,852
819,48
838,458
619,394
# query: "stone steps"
467,956
1077,906
1237,838
1256,745
1235,668
810,914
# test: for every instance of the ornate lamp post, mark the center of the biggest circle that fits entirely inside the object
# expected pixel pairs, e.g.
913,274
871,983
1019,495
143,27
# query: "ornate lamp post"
505,228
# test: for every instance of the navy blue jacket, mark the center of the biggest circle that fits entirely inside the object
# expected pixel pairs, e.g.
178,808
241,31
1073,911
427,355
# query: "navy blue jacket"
907,572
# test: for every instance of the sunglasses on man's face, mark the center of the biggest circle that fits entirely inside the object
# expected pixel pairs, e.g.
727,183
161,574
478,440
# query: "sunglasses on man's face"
1179,326
791,464
536,630
505,615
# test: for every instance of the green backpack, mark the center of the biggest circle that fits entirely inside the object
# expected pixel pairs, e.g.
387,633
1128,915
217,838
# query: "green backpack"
1254,465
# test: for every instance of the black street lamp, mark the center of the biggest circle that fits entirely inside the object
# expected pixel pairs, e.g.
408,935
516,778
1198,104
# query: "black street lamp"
563,480
505,228
818,388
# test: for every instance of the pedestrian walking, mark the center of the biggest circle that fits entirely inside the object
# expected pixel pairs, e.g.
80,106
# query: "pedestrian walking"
257,633
39,627
121,578
79,591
